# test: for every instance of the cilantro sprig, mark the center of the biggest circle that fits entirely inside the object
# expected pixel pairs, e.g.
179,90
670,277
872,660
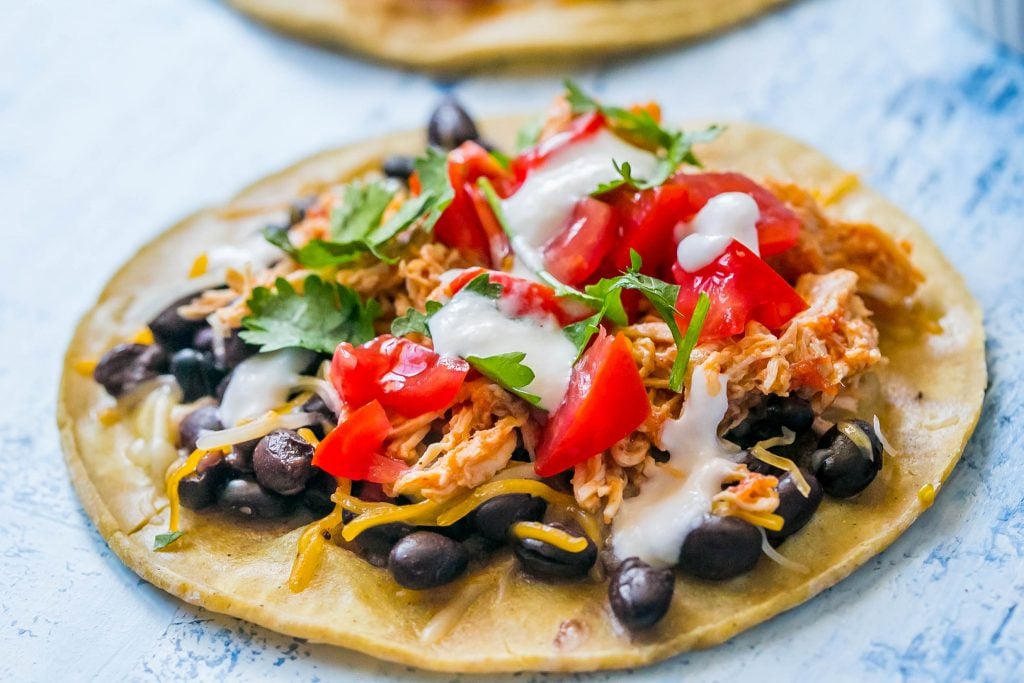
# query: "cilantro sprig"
356,223
323,316
674,147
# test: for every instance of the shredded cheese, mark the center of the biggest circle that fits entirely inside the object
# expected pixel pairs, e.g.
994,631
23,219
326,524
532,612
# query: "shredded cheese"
313,540
307,434
886,446
767,520
843,187
143,336
442,623
926,494
253,430
783,464
109,416
86,366
199,266
173,479
775,556
446,513
550,535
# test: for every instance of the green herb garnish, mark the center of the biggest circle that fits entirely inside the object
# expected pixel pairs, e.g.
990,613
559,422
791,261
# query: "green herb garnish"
507,369
319,319
163,540
415,321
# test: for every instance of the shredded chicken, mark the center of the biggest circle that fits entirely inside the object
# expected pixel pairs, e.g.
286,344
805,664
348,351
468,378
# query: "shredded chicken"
883,265
477,442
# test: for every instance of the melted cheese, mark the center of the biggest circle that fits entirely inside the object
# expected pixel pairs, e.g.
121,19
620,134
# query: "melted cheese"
653,524
261,383
473,325
726,217
544,204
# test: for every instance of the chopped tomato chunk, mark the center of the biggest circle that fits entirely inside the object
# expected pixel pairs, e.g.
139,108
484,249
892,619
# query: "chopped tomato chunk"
574,254
400,374
742,287
777,228
468,224
522,297
605,402
353,449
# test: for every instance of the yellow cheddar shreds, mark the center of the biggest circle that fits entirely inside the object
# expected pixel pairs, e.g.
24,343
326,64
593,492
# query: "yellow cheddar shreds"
199,266
926,494
550,535
109,416
86,366
143,336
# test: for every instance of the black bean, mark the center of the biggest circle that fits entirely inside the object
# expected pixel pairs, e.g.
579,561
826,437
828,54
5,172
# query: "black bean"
450,125
424,560
399,166
546,561
172,331
494,518
375,543
126,366
317,495
849,457
795,508
240,457
203,339
246,498
766,420
755,464
204,418
720,548
199,489
196,374
283,461
234,351
639,594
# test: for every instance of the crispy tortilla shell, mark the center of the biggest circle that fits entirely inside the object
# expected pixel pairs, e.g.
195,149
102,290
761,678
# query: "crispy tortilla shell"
452,34
928,400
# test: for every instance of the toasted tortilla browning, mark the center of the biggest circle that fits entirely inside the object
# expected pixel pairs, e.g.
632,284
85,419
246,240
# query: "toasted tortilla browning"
460,33
928,398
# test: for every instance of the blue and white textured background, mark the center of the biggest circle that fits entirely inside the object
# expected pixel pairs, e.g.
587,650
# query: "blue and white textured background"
117,118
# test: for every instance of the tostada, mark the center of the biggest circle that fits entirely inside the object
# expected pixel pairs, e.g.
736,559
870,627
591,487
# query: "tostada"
614,392
450,34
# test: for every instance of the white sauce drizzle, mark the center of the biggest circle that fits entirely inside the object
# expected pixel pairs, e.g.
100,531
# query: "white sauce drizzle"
676,495
261,383
544,203
726,217
473,325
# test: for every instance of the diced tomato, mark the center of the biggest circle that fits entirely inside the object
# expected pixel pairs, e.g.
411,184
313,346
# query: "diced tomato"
353,449
646,222
403,376
522,297
742,287
778,227
580,128
647,218
575,254
606,401
468,224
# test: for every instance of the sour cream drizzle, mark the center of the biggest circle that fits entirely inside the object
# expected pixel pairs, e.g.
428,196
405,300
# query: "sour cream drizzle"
261,383
726,217
677,494
544,203
473,325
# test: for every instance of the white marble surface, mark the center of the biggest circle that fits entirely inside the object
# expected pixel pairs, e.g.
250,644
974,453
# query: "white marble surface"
118,117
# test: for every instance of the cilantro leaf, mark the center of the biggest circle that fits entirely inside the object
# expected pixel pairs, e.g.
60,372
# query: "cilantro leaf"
415,321
356,226
675,147
483,286
161,541
507,369
700,312
323,316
